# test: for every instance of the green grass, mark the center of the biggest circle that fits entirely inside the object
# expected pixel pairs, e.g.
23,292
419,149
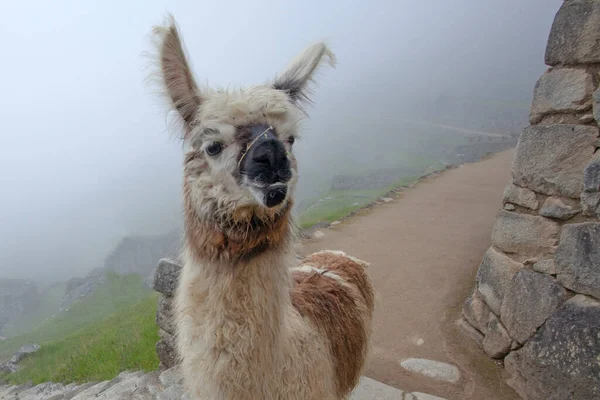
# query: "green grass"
336,204
100,351
119,293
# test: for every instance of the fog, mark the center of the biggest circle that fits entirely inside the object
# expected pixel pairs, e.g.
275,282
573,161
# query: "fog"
85,155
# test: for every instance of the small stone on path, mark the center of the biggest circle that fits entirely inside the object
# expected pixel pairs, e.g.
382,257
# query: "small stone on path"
432,369
425,396
334,223
386,199
318,234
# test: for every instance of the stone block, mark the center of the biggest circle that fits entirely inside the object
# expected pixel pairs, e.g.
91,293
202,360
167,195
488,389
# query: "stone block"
165,349
561,91
469,330
591,204
575,35
164,316
550,159
578,258
560,208
596,106
166,277
520,196
526,235
497,341
493,277
530,299
475,311
545,267
590,198
561,360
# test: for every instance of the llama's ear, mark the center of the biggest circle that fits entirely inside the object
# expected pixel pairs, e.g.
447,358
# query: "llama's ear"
295,80
175,73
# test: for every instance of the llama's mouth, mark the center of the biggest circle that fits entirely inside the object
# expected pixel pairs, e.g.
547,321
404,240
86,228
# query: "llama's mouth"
269,195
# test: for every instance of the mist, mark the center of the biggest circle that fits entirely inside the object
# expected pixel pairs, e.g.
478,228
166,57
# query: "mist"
86,157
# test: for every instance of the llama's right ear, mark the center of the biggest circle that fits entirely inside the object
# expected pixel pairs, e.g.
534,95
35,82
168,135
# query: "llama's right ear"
295,80
175,73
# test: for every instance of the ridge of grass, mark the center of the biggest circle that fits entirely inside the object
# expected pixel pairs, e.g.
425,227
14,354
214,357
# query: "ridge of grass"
100,351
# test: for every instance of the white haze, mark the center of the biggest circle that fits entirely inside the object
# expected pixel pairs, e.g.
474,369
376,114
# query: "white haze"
85,157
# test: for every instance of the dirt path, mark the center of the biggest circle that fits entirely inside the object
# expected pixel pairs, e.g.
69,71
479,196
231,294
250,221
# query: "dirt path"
425,248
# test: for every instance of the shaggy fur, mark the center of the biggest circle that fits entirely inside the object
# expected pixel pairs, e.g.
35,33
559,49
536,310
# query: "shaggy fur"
251,324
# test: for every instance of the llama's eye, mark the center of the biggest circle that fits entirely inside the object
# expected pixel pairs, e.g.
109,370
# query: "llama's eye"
291,140
214,149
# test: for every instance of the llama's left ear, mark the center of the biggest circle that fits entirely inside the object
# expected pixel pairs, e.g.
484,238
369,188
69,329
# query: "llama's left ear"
295,80
175,73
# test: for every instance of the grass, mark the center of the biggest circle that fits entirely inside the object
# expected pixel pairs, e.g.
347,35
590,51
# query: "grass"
119,293
100,351
336,204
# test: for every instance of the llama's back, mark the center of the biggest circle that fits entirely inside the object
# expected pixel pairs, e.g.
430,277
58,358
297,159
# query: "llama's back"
334,291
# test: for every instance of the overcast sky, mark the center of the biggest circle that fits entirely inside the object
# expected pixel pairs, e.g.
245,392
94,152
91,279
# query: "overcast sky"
84,154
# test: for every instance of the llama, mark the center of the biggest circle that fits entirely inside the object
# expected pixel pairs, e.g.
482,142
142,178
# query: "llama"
251,322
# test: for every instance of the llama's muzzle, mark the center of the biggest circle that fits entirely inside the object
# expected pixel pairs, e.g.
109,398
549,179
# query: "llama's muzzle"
265,166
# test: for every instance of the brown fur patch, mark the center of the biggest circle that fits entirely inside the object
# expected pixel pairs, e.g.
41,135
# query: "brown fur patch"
236,237
347,269
332,308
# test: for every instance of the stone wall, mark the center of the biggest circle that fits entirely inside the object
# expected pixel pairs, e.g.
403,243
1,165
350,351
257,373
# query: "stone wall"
165,282
536,304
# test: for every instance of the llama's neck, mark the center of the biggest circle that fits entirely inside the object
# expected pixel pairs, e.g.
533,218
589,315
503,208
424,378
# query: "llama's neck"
242,306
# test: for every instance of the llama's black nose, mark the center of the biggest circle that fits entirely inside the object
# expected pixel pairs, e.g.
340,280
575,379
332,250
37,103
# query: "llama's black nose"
269,162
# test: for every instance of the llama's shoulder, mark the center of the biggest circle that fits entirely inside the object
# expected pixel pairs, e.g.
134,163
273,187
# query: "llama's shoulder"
342,267
334,292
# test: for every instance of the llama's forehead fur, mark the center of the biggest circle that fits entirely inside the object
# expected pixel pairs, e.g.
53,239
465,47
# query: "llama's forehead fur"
222,111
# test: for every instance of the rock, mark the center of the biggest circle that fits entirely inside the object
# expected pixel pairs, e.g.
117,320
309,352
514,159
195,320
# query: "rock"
497,341
386,199
432,369
563,90
530,299
560,208
561,360
545,266
596,107
586,118
164,317
170,377
9,368
370,389
578,258
124,389
493,276
475,311
526,235
591,204
520,196
24,351
590,198
509,207
334,223
425,396
468,330
550,158
575,34
166,277
46,391
318,234
79,288
165,349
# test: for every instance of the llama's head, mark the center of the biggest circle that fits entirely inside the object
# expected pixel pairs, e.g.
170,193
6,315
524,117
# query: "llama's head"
239,158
